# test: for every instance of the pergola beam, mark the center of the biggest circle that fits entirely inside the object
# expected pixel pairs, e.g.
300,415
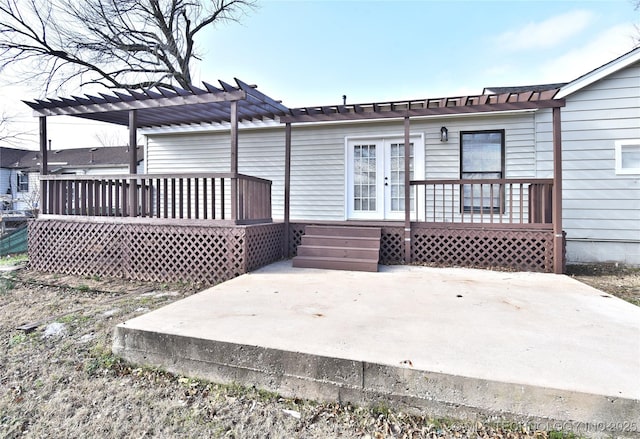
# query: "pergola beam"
164,106
164,102
318,115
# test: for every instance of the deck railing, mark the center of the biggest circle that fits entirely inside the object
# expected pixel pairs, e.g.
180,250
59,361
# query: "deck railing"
486,201
207,196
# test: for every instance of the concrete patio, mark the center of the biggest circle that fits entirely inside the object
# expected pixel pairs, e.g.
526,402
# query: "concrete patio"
452,342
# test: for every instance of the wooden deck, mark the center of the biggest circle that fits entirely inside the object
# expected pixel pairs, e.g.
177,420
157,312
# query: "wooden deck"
206,228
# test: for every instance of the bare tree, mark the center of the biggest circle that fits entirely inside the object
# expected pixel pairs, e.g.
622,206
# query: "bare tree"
8,135
121,44
112,138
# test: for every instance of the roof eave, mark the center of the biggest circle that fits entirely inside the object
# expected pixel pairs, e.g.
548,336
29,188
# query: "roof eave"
601,72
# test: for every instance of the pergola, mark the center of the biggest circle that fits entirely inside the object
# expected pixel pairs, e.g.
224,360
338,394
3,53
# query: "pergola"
486,103
163,107
242,102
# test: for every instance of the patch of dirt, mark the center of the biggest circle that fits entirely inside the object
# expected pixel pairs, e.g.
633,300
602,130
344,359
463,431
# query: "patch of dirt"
616,279
62,380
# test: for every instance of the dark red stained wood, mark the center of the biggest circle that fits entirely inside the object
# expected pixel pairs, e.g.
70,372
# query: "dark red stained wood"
181,198
287,188
213,198
436,193
188,180
407,190
315,116
197,200
188,199
339,248
222,197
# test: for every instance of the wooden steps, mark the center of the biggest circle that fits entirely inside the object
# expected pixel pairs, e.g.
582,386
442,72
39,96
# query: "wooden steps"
339,248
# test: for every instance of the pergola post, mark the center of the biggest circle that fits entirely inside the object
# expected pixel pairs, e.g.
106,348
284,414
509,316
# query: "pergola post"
234,160
133,162
407,191
133,141
558,238
287,187
44,164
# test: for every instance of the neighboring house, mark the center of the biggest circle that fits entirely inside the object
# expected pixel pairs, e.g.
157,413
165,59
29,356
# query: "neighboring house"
16,183
496,179
20,170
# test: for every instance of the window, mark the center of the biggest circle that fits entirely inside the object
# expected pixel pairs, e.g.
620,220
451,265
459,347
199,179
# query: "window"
628,156
481,157
23,182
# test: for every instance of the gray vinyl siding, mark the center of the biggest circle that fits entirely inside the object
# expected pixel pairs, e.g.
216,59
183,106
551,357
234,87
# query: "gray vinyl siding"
261,154
318,156
599,207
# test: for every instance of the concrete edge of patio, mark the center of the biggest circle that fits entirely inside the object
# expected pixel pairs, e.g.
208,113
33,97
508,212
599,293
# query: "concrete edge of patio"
295,374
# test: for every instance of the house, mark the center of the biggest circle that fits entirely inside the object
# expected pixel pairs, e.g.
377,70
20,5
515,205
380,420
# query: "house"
232,178
20,170
10,181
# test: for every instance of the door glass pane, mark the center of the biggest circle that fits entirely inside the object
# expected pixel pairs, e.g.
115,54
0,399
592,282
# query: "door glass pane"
396,176
364,178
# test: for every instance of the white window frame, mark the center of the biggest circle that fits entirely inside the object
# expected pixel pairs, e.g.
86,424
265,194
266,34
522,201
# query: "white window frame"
620,144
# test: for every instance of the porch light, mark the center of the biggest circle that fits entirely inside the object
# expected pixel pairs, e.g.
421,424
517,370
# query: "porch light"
444,134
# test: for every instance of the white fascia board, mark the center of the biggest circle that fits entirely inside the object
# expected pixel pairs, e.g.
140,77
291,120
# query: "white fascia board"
595,75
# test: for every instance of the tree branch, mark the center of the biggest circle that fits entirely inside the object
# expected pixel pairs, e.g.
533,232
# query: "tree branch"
125,44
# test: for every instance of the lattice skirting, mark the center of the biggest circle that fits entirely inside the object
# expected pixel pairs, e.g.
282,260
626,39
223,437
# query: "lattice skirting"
165,253
526,250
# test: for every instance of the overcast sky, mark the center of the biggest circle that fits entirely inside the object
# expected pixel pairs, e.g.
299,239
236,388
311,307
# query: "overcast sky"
313,52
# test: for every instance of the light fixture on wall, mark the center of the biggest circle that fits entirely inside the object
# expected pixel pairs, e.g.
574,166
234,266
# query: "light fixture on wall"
444,134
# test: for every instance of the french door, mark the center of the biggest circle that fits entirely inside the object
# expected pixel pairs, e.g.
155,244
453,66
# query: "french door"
375,176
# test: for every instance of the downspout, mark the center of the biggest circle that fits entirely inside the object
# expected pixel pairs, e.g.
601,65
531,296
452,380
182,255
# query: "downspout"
558,238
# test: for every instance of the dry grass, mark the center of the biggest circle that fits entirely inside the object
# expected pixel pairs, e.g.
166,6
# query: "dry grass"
619,280
69,384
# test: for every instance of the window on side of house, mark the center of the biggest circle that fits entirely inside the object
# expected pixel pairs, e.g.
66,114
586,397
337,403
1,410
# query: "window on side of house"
23,182
482,157
628,157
